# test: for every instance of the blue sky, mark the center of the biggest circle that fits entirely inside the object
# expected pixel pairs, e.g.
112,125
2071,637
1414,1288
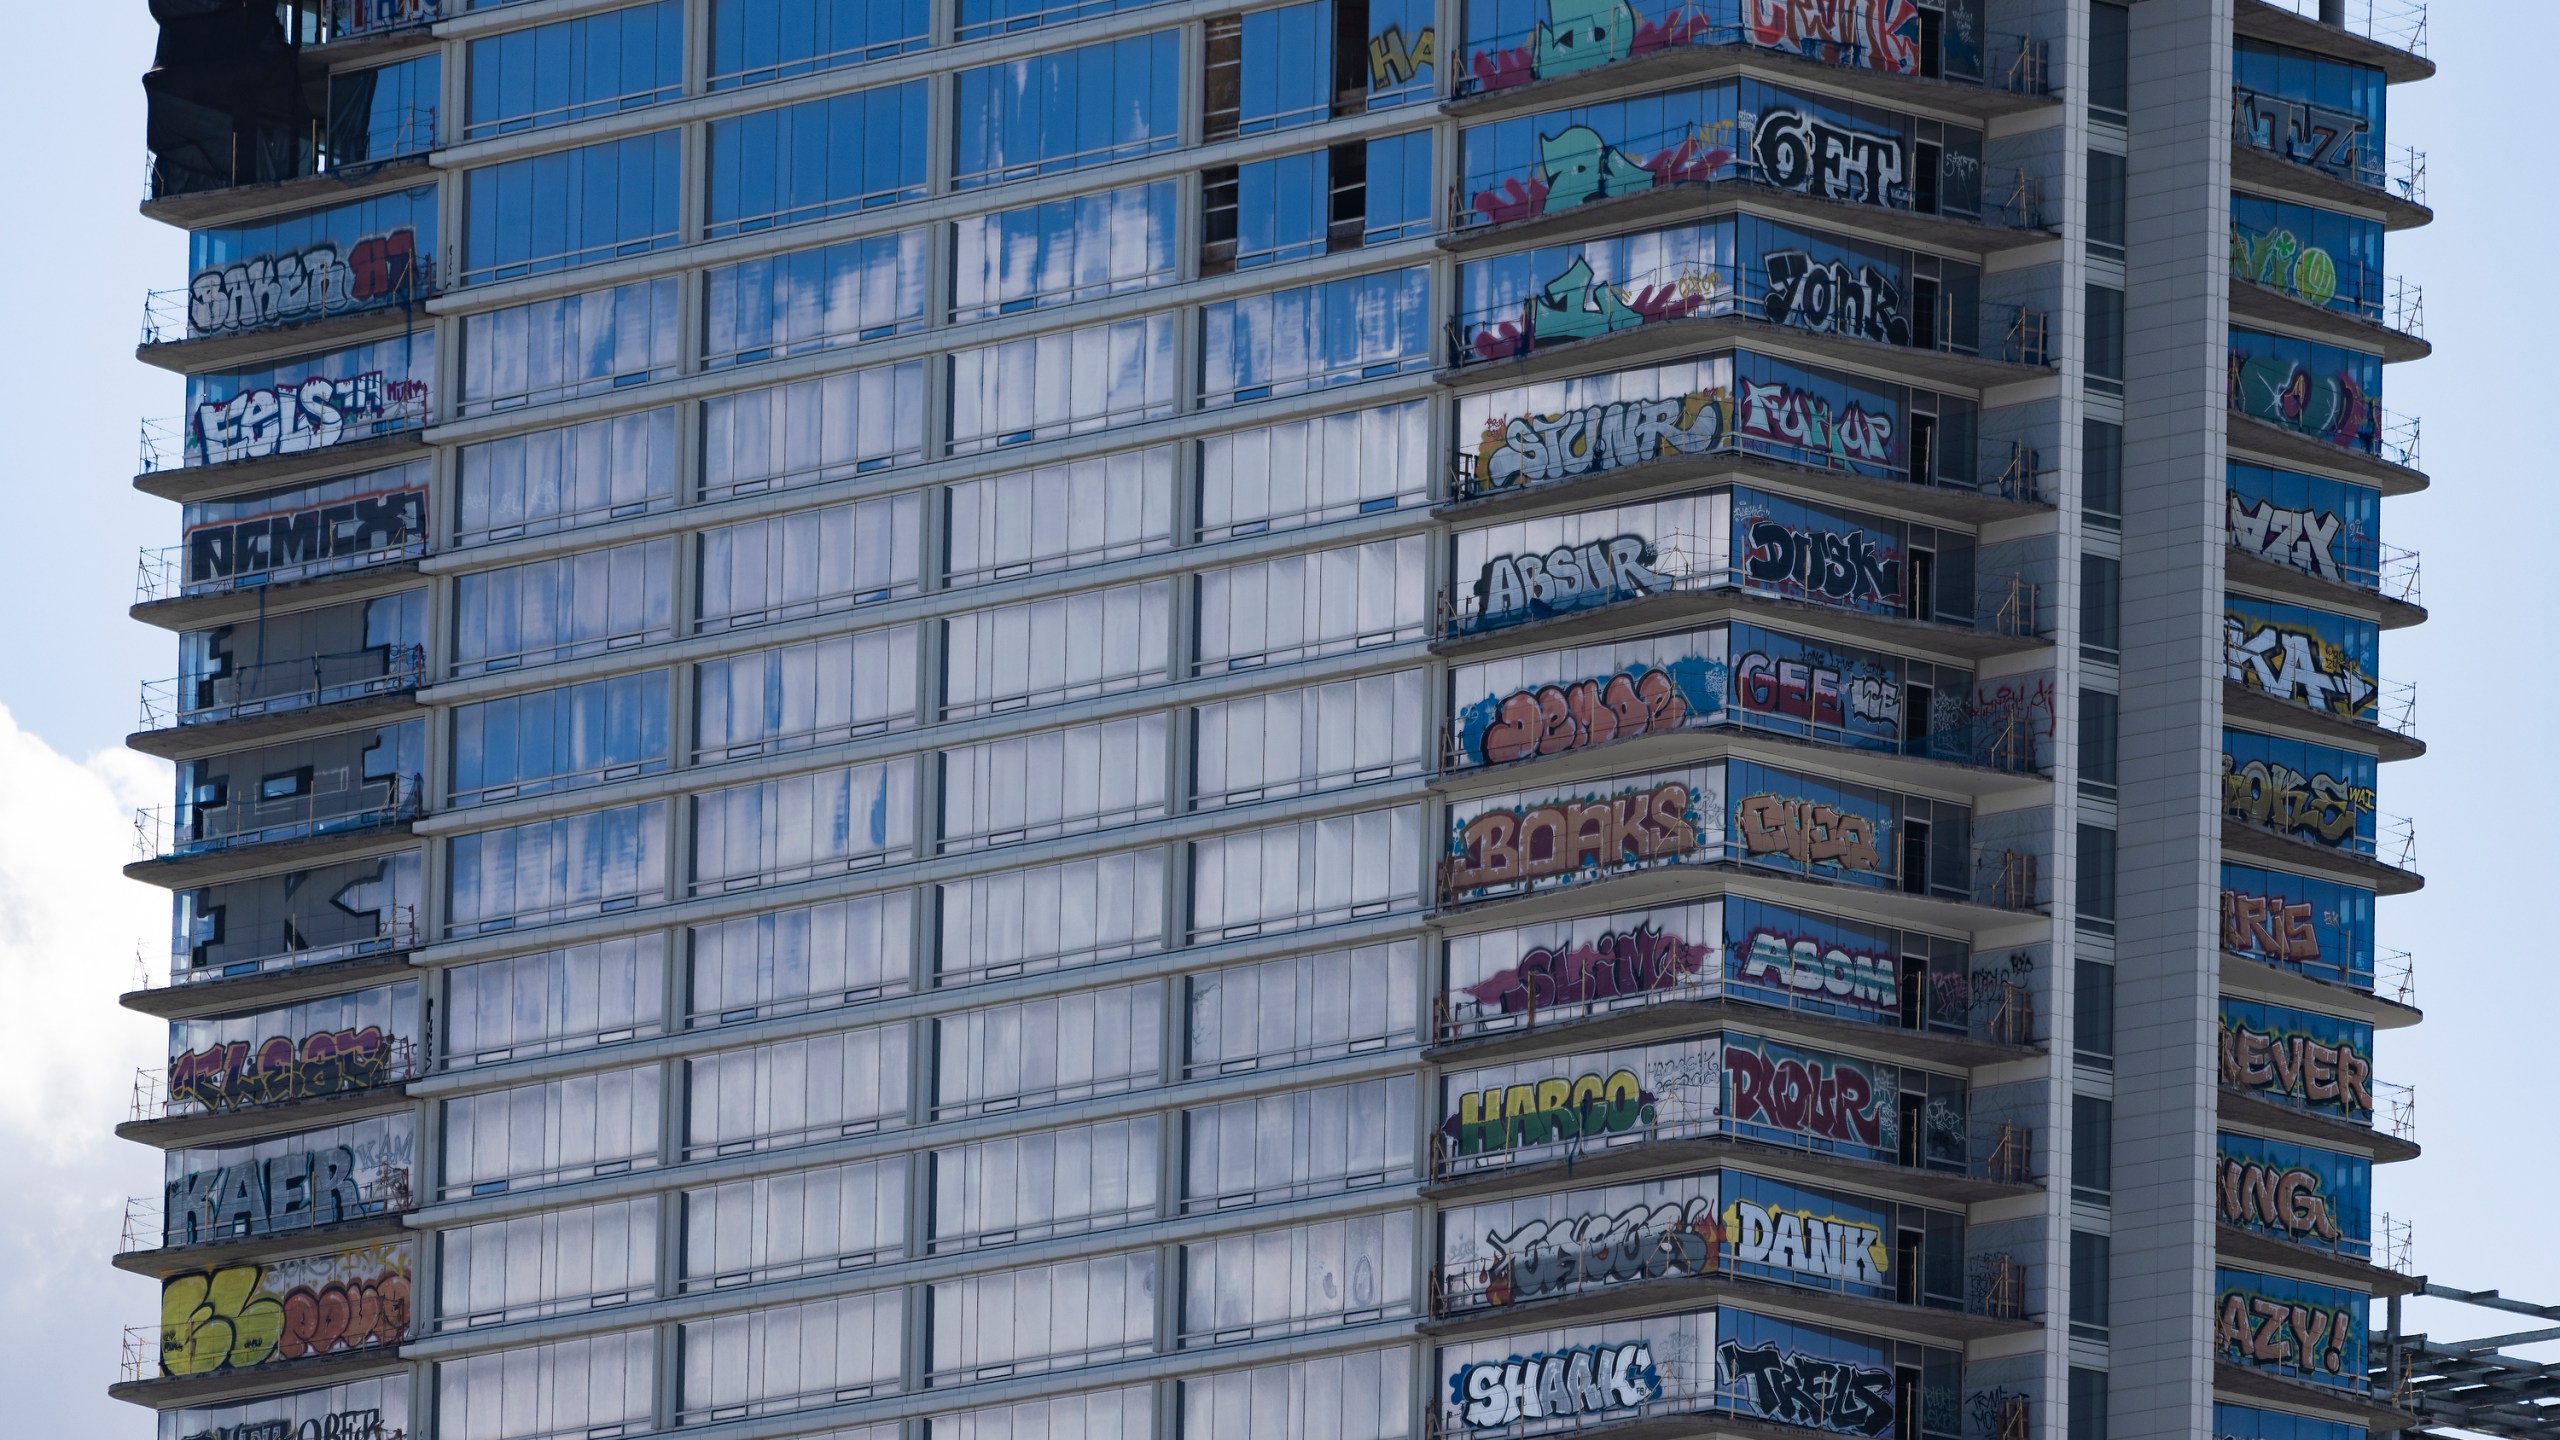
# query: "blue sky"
77,260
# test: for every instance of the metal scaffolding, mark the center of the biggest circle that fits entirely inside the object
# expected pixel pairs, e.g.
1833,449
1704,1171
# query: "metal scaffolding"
2473,1385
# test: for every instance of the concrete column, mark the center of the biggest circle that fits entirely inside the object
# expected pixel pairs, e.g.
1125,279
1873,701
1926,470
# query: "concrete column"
2169,826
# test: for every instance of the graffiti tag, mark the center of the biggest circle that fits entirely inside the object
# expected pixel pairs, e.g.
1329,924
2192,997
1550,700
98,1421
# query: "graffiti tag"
2269,1331
1816,694
310,414
1641,961
1511,1117
1599,438
1811,968
242,1316
300,284
364,1424
302,537
2280,798
222,1077
1556,719
2275,258
1584,1381
2318,1073
1809,832
1642,1242
1808,1243
1794,1388
1634,826
2304,133
2291,1202
1872,34
1782,414
2268,925
2297,665
1393,61
2303,539
1796,150
1832,1102
1569,577
1832,297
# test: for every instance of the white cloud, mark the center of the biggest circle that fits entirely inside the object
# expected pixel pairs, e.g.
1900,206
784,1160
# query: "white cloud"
69,927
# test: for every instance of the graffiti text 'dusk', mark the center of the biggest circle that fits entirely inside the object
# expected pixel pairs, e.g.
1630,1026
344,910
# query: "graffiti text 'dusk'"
1814,1391
1642,1242
1641,961
1587,1381
1531,449
1510,1117
1844,566
1632,827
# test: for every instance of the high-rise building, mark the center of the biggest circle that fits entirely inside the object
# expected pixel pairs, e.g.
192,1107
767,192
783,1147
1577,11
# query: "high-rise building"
1079,719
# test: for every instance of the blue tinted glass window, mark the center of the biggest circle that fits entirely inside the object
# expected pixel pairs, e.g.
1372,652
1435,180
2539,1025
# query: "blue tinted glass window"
756,42
1282,206
1064,250
575,207
2322,527
1284,78
2316,926
2325,391
1511,303
1399,201
982,18
595,65
385,113
820,158
1334,333
2317,111
814,299
1539,164
298,268
1403,48
553,739
1065,111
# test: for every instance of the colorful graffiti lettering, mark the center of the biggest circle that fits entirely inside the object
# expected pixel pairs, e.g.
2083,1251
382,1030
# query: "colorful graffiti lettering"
1870,34
1814,693
302,537
1579,34
1394,62
1585,1381
1577,306
2280,798
1795,1388
1512,588
1808,1243
301,284
2266,1331
2306,134
2306,540
1808,832
222,1077
2284,391
1824,971
1641,1242
310,414
1577,167
364,1424
1796,150
1837,1101
1831,297
1781,414
1542,842
2292,1202
2268,925
1555,719
283,1192
242,1316
1642,961
1534,448
2295,664
2016,715
2321,1074
1513,1117
358,15
2274,258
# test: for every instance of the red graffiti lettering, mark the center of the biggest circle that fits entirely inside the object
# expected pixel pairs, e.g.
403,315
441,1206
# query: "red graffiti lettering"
228,1076
1630,962
1804,1096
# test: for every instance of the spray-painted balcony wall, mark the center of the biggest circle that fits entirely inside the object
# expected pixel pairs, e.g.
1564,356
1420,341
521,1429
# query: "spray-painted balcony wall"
1739,265
2319,257
366,1408
2322,527
1735,1085
2327,392
2309,109
1513,42
351,783
301,658
292,535
1591,1240
1728,538
1717,1361
1735,130
297,406
2318,928
1718,812
2303,657
2316,794
1726,948
2311,1197
325,1049
2298,1329
281,1314
286,1184
315,915
369,254
2299,1059
1731,403
1561,702
233,109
